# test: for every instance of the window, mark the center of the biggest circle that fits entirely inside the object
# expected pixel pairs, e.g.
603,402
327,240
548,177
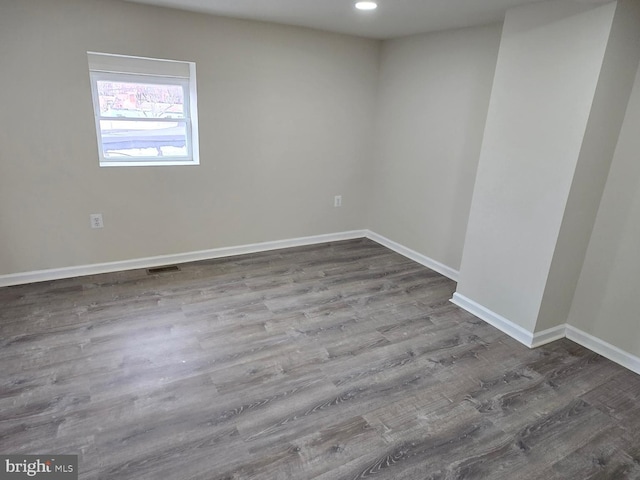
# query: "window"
145,110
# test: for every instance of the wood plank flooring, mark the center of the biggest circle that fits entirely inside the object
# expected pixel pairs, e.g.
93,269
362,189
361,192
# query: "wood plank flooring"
335,361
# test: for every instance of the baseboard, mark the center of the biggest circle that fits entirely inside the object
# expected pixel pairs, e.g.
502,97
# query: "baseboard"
148,262
507,326
415,256
603,348
533,340
549,335
515,331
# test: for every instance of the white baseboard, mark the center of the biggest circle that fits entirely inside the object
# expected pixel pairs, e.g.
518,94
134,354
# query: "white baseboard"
415,256
156,261
549,335
515,331
148,262
603,348
507,326
533,340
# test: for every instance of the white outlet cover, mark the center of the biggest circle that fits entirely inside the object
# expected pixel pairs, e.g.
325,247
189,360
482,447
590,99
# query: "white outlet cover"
96,220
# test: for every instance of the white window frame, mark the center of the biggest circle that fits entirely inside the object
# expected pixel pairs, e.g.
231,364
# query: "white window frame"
122,68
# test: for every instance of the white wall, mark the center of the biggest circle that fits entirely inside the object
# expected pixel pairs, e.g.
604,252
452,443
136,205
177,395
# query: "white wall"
601,136
285,121
550,58
607,300
433,97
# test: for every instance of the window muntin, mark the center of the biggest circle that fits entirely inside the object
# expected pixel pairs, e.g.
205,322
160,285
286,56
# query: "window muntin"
144,119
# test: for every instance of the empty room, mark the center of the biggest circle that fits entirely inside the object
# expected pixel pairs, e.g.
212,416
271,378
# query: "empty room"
330,240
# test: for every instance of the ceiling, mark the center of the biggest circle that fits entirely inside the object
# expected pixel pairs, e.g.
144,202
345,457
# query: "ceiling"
393,18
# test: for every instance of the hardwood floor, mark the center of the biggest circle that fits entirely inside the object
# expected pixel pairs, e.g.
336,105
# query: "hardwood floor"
336,361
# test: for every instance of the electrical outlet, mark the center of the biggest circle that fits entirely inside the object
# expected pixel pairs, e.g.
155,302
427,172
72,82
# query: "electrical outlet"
337,201
96,220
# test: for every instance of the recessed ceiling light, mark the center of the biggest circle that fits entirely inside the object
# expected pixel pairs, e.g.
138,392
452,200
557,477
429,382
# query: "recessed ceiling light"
366,5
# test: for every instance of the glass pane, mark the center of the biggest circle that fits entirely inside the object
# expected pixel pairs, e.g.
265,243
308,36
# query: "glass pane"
124,139
140,100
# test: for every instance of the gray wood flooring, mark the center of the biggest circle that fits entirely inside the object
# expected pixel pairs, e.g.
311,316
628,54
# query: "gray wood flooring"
336,361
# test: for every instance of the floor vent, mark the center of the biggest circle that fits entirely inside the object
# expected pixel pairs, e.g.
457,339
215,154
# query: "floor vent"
167,269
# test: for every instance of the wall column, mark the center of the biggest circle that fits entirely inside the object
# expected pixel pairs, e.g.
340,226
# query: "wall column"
563,79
